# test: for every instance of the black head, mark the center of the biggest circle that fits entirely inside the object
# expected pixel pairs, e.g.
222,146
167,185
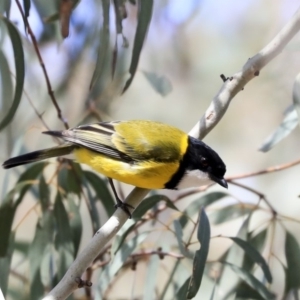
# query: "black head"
202,157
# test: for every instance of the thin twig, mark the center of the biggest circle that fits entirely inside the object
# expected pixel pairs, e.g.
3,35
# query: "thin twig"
160,253
261,196
265,171
37,51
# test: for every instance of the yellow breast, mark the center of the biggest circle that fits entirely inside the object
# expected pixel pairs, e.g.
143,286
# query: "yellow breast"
146,174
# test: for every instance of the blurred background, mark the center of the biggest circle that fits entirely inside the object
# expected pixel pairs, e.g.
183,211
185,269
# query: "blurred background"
189,44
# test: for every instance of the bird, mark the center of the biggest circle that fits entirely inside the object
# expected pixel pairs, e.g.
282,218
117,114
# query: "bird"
145,154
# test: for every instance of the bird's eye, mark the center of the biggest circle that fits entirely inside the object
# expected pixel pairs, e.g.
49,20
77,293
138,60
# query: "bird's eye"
204,162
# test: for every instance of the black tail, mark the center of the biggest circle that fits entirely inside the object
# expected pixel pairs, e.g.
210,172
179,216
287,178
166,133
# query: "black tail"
38,155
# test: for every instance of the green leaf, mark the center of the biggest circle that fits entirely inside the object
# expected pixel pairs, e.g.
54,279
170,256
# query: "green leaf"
125,251
5,7
228,278
182,292
150,202
195,206
63,238
296,95
44,194
170,280
70,178
292,254
179,234
5,265
251,281
229,213
75,223
200,255
151,278
160,84
7,213
121,235
31,173
144,17
44,231
288,124
6,90
257,242
94,215
103,46
20,71
102,191
254,255
22,247
46,267
26,5
244,291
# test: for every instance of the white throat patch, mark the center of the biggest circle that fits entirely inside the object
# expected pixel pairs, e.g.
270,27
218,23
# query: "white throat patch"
194,178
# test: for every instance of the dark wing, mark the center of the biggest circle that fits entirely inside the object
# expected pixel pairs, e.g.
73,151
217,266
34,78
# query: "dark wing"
96,137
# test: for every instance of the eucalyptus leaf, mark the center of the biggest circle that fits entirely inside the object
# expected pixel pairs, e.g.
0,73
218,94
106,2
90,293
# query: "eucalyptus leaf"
200,257
182,292
6,90
5,7
151,278
44,194
251,281
288,124
102,191
45,228
254,255
26,5
145,9
229,213
257,242
121,235
103,46
8,210
70,178
150,202
75,223
244,291
229,280
63,238
19,69
296,95
170,281
292,254
160,84
195,206
125,251
5,265
179,236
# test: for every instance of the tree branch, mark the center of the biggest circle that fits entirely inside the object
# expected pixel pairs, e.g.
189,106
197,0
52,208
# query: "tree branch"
212,116
237,82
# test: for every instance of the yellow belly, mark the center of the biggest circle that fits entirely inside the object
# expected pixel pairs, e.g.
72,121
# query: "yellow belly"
149,174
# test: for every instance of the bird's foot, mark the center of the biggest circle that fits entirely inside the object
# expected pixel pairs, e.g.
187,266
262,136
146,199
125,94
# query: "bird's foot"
124,206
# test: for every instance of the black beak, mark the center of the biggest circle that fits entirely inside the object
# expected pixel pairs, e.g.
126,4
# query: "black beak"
221,181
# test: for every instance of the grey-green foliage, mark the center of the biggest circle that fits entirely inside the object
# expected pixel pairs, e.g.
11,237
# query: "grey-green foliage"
160,235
